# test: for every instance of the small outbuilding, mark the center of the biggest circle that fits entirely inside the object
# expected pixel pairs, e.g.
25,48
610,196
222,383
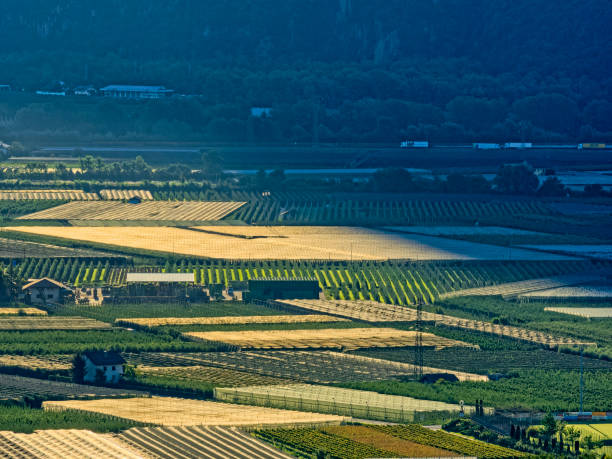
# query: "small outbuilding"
279,289
101,366
45,291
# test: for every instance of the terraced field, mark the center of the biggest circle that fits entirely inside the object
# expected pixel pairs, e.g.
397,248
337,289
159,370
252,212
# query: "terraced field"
16,387
334,400
228,320
378,312
353,338
168,411
13,323
323,367
147,210
262,243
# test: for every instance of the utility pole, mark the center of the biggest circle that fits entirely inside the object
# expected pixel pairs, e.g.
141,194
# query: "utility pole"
418,343
581,376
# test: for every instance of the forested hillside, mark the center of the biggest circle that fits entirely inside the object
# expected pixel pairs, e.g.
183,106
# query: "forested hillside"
333,70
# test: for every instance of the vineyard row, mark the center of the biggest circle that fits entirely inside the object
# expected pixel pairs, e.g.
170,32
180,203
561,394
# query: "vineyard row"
395,283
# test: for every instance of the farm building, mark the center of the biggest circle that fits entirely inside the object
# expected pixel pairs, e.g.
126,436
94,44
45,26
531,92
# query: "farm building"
101,364
45,291
135,92
160,278
159,286
270,289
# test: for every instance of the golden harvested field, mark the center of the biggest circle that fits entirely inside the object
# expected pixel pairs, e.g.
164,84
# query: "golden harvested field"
170,411
66,443
147,210
229,320
117,195
265,243
22,311
50,323
352,338
32,362
405,448
23,195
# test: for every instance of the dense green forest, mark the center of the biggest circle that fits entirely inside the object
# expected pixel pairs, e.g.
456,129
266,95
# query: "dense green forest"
331,70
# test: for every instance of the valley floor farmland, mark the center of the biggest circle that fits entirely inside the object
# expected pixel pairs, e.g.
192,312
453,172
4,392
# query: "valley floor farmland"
290,243
63,443
16,387
352,338
12,248
147,210
229,320
168,411
323,367
378,312
50,323
575,293
335,400
199,441
591,313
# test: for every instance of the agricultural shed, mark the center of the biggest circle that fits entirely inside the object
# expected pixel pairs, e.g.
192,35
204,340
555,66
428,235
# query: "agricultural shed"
160,277
157,285
44,291
269,289
102,364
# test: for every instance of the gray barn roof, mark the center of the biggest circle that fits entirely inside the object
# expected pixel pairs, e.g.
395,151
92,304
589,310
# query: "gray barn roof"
160,277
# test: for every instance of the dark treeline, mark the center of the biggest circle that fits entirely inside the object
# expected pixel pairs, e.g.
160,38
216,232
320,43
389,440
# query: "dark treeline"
331,70
209,182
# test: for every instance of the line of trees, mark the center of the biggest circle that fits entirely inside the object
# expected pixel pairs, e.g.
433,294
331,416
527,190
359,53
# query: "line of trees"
511,179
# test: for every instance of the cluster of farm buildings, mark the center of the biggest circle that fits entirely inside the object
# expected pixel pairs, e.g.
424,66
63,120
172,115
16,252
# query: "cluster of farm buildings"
167,286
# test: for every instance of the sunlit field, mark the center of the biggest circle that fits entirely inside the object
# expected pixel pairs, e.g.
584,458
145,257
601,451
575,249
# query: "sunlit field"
289,243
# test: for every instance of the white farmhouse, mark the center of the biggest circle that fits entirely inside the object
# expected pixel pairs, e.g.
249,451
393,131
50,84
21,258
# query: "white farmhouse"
45,291
108,365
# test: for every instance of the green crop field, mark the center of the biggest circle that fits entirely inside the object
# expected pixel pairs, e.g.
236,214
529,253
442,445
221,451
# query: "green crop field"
27,420
66,342
319,209
111,312
540,390
402,283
